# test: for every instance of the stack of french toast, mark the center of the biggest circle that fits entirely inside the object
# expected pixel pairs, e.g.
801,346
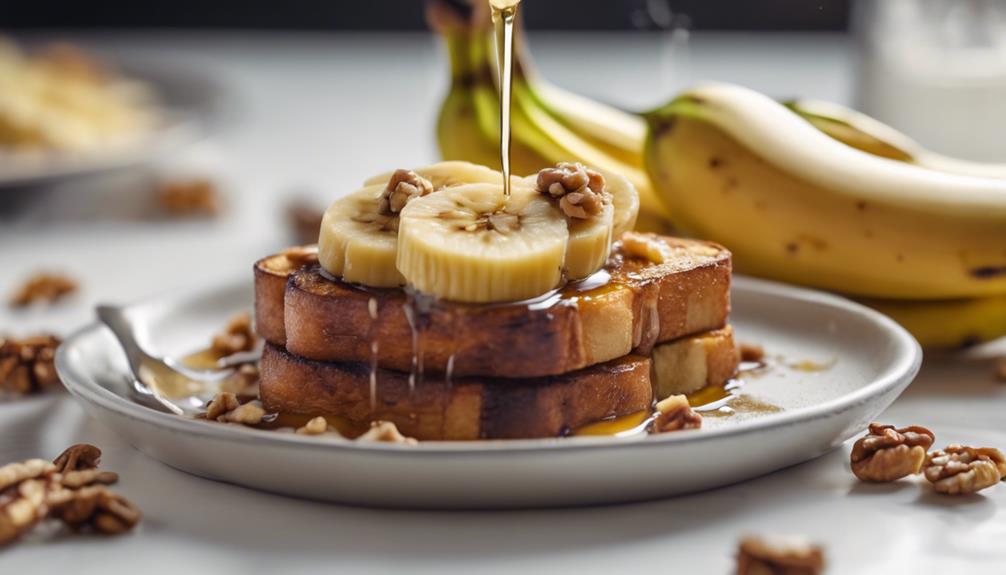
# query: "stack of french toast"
439,302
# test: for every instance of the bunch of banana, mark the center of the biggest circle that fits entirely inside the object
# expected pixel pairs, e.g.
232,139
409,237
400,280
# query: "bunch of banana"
809,197
465,241
548,125
830,209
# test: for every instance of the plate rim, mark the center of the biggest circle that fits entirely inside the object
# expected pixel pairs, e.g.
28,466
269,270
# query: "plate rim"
899,374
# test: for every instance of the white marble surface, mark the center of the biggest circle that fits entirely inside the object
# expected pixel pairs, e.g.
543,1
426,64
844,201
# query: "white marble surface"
319,113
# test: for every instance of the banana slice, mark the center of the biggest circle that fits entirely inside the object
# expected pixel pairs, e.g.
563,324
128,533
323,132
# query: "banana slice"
466,244
449,174
589,244
590,239
625,199
357,242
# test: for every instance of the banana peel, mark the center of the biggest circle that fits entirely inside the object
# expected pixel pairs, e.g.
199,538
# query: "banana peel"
796,205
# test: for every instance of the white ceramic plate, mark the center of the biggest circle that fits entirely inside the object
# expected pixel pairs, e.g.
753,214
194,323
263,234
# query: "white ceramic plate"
187,101
871,361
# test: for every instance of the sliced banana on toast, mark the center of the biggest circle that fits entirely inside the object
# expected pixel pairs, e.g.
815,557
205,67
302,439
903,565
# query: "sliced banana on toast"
470,244
449,174
358,240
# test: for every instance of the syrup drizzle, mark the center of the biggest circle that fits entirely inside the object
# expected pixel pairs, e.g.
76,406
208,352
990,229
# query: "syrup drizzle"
375,348
504,13
417,308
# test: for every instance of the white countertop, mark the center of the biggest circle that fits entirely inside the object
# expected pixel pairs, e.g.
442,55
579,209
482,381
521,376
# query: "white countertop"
320,113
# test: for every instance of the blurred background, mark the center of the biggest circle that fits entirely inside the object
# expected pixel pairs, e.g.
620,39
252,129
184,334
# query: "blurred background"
408,14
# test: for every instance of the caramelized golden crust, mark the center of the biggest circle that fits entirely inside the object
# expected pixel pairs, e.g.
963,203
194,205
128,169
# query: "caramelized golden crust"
465,409
642,304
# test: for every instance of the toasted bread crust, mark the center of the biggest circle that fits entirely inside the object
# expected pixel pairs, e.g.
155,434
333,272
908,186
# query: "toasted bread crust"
271,275
465,409
642,304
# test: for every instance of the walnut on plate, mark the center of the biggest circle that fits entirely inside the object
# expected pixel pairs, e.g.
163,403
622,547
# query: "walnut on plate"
962,470
44,287
888,454
316,426
237,337
386,432
779,555
226,408
403,187
675,414
579,189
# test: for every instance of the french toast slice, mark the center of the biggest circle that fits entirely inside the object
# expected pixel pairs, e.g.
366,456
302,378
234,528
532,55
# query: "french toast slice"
686,365
271,275
629,307
490,408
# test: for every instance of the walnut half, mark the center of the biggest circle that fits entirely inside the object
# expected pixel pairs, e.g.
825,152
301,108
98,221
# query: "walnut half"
403,187
962,470
579,189
779,555
888,454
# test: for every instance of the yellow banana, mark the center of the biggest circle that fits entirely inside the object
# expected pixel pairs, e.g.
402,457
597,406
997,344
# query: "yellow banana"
796,205
548,124
864,133
950,324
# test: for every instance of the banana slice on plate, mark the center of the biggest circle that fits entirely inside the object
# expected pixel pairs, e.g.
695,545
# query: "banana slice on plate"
449,174
358,241
467,244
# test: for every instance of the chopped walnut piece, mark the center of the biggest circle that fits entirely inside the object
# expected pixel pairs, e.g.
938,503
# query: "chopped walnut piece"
78,457
85,477
189,198
888,454
752,353
44,287
675,414
243,382
226,408
14,473
236,338
403,187
317,426
644,246
27,365
97,507
386,432
222,404
304,219
579,189
248,414
961,470
779,556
